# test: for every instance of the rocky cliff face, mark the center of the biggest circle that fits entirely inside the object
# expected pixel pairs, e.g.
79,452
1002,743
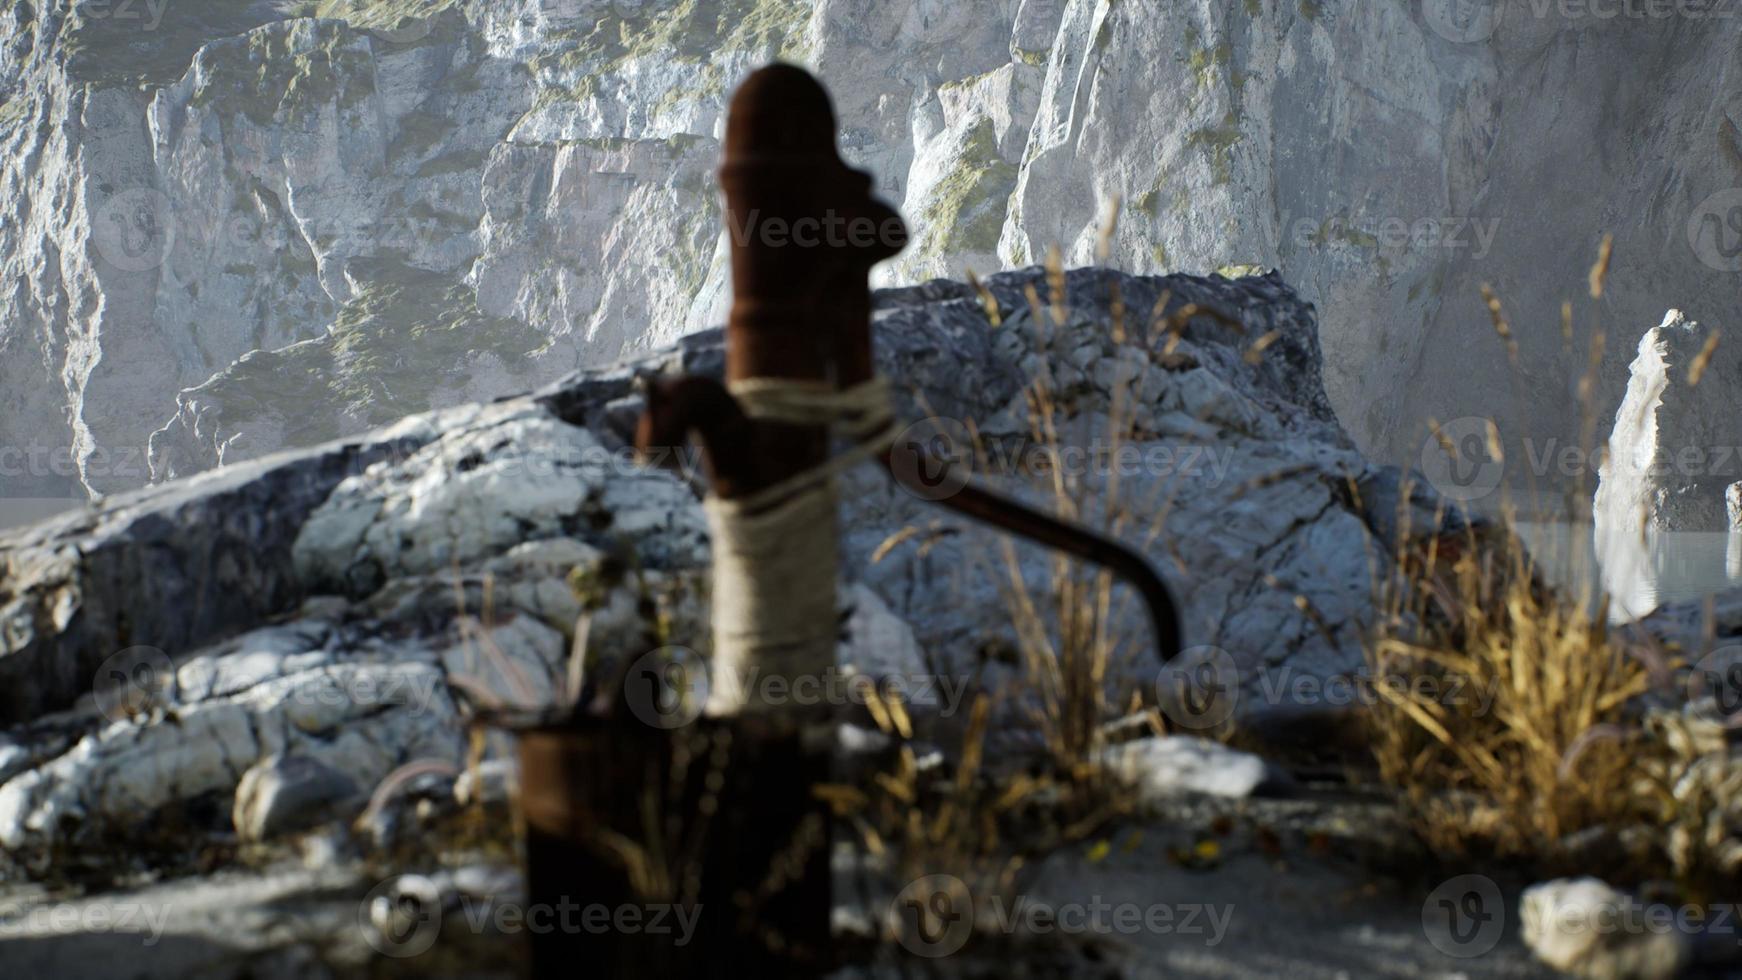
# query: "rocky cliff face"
232,227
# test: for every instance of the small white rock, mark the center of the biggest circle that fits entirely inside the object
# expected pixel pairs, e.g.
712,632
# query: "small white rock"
853,740
1583,927
488,783
1170,765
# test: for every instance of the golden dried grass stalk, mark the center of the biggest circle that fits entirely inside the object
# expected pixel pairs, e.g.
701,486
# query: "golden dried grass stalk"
988,302
1697,369
1600,269
1502,328
1255,353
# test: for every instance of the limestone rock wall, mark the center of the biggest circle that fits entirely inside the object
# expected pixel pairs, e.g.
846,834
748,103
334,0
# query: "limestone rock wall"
190,199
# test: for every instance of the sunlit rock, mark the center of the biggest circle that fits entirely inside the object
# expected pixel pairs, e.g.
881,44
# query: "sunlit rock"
1677,442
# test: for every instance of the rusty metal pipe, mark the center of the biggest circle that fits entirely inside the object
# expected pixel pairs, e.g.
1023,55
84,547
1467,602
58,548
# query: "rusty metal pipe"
1073,539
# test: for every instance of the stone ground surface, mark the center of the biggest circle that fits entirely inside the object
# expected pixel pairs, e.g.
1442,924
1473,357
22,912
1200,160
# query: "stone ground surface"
1250,914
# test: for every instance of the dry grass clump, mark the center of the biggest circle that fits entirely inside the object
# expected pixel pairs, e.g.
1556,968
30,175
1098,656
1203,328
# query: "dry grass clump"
1067,624
1540,738
1547,736
1068,629
1509,748
987,826
1695,791
976,833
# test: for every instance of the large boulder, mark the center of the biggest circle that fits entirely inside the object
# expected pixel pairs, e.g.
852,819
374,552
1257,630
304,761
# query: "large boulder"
346,604
1234,475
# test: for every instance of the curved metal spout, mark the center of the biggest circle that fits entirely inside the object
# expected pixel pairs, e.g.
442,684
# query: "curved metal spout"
1073,539
683,405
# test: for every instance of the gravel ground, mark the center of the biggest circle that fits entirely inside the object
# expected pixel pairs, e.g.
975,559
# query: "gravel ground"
1255,888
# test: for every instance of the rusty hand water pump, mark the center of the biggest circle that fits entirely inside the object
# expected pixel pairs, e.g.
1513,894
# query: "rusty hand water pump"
806,231
718,815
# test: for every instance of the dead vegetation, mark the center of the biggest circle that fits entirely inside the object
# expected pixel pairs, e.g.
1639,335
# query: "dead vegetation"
1579,753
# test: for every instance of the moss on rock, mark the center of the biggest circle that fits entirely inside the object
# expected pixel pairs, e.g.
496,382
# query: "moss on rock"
966,209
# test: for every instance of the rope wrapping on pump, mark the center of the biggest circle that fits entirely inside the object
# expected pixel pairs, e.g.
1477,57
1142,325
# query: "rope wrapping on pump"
776,551
861,415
